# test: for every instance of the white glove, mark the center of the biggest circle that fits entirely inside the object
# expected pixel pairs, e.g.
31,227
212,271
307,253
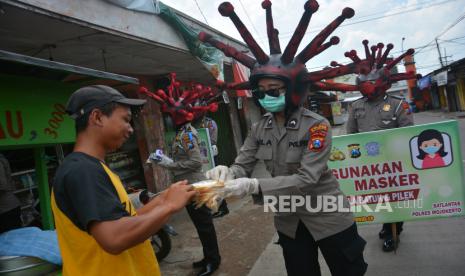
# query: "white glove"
240,187
215,150
220,173
159,158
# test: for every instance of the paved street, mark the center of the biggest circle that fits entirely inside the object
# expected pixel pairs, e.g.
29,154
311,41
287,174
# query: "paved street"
247,237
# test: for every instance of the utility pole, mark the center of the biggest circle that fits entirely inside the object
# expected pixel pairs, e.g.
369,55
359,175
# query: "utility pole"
439,53
402,48
446,56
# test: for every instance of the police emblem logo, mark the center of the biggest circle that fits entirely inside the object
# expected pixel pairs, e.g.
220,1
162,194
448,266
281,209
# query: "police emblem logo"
317,143
187,140
354,150
386,107
372,148
317,137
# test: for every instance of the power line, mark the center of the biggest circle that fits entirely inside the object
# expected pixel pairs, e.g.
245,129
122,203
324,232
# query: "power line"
317,29
201,12
395,9
460,18
430,46
453,39
250,20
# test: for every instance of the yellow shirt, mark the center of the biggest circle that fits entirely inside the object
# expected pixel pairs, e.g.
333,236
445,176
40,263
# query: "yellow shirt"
83,256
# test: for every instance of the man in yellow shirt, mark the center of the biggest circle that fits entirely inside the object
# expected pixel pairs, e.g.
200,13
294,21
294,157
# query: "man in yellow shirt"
99,231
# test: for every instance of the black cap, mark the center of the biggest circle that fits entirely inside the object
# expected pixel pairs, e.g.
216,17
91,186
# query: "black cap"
87,98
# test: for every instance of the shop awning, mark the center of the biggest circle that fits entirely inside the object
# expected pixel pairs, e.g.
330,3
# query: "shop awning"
17,64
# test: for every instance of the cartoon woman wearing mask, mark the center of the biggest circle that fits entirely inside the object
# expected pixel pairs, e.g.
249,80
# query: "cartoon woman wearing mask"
431,149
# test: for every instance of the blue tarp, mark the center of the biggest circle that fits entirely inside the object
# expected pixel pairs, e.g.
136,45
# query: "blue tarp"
424,82
32,242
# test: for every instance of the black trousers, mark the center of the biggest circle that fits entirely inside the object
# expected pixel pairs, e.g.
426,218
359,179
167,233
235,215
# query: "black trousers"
203,222
10,220
387,227
343,253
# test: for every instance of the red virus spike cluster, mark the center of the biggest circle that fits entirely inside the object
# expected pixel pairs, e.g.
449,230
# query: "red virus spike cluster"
374,72
184,102
287,65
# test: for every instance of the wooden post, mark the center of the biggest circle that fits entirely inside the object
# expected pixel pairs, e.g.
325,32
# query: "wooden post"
150,132
394,235
44,190
235,124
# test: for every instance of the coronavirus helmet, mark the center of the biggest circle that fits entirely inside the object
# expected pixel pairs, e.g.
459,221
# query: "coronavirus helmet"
283,65
374,73
184,102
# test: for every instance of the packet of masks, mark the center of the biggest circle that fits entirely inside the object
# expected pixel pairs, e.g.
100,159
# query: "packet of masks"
209,194
155,156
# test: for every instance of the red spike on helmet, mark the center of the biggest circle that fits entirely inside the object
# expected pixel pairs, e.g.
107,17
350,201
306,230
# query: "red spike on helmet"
310,8
227,9
312,49
229,51
273,39
185,101
286,67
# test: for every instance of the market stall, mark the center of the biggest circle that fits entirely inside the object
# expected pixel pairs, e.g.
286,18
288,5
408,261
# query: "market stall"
36,133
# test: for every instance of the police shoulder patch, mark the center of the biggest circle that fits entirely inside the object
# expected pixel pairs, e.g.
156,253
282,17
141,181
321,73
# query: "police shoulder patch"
406,107
317,137
187,140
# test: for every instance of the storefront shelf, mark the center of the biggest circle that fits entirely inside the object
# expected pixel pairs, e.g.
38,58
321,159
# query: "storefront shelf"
25,189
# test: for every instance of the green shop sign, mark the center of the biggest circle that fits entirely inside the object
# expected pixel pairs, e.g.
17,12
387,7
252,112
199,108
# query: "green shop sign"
412,173
32,112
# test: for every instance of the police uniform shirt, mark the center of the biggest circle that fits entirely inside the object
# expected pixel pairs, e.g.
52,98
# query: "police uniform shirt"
384,113
296,156
185,152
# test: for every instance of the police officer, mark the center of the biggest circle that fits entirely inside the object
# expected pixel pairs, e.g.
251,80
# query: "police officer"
378,113
295,145
186,165
210,124
377,110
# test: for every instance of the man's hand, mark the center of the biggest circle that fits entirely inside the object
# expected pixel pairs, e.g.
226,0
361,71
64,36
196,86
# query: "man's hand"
241,187
177,195
220,173
115,236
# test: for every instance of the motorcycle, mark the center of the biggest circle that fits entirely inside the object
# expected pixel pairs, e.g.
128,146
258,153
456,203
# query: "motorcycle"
161,241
